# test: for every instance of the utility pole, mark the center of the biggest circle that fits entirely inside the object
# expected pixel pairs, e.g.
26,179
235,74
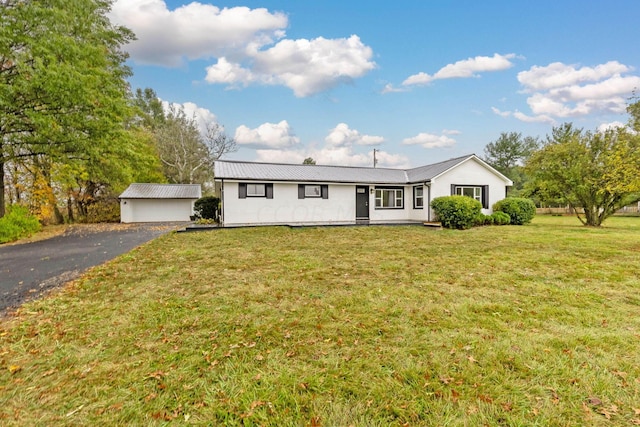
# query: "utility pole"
375,161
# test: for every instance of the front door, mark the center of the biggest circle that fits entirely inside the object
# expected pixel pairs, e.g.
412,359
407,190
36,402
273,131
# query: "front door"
362,202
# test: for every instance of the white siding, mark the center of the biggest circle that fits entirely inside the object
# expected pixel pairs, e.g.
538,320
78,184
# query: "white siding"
155,210
286,208
470,173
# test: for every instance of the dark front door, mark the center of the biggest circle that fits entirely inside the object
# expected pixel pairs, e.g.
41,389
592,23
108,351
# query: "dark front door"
362,202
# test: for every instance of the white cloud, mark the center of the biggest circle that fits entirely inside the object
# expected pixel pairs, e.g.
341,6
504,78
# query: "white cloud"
341,147
195,30
560,91
305,66
557,75
464,69
389,88
267,135
428,140
501,113
533,119
242,42
610,126
342,135
201,115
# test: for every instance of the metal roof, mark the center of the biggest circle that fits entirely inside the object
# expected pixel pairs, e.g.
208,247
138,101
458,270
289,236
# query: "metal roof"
230,169
162,191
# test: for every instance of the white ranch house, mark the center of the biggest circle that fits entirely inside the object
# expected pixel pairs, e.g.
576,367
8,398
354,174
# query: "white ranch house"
158,202
287,194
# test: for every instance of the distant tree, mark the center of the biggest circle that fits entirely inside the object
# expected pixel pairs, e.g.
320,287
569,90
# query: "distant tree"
187,156
508,154
634,112
598,173
309,161
217,142
150,112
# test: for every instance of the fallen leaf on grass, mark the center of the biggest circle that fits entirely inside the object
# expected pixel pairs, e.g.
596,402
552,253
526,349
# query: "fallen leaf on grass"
14,369
594,401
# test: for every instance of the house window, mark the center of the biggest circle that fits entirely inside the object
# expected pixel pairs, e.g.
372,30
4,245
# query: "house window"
252,189
256,190
389,198
474,192
478,192
418,197
310,191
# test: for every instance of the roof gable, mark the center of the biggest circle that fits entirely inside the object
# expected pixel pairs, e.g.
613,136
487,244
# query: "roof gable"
162,191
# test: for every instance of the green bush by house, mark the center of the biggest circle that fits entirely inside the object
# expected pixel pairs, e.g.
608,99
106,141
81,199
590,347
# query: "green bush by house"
207,207
459,212
17,223
520,210
500,218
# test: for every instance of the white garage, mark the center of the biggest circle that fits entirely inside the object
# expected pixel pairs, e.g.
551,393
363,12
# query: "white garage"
158,202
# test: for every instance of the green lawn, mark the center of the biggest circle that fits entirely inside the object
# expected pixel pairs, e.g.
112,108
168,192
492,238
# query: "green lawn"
363,326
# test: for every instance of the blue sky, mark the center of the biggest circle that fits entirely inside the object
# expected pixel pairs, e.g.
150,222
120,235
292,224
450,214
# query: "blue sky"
419,81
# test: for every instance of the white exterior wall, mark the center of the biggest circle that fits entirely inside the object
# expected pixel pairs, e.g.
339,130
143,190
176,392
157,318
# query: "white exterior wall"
469,173
155,210
286,208
408,213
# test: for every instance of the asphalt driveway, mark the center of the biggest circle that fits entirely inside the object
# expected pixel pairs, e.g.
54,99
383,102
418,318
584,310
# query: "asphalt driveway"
27,270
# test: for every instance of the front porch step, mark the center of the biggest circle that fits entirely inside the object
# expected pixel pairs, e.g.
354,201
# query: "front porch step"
430,224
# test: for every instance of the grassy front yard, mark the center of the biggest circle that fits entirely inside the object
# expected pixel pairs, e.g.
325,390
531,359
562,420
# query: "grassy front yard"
364,326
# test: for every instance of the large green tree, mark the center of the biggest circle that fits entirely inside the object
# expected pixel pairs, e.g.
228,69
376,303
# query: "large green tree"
63,89
596,173
509,153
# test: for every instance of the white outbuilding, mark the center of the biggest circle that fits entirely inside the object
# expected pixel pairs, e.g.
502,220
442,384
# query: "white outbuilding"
158,202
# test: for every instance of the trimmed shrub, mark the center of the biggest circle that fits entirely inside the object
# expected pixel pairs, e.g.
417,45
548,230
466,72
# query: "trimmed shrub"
500,218
207,207
458,212
17,223
520,210
483,219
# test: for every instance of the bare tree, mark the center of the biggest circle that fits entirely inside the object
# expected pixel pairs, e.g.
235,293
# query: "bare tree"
217,142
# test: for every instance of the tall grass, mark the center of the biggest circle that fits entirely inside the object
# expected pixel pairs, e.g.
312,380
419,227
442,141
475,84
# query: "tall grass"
363,326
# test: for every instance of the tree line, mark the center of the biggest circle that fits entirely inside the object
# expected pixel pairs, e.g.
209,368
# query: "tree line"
72,133
595,173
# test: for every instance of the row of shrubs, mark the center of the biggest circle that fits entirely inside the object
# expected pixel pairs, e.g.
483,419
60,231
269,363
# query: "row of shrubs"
463,212
17,223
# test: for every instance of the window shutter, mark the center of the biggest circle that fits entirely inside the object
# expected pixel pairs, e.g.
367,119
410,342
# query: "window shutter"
269,190
324,189
485,196
453,189
300,191
242,190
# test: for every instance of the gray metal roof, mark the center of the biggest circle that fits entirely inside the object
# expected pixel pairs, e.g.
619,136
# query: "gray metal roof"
162,191
229,169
